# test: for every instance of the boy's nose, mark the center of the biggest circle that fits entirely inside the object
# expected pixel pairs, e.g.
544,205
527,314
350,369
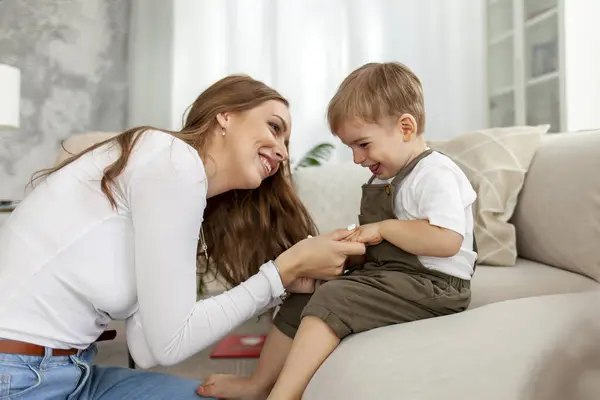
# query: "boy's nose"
358,158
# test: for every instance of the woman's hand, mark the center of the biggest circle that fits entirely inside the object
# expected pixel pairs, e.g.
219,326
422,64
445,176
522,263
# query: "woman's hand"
320,257
369,234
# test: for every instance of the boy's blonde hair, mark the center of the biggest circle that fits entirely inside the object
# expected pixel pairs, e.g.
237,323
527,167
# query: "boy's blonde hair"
376,91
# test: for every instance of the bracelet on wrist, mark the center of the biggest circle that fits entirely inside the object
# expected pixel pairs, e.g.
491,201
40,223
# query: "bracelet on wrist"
285,293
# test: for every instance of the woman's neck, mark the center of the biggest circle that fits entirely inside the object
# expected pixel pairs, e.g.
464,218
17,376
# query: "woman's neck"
217,170
216,178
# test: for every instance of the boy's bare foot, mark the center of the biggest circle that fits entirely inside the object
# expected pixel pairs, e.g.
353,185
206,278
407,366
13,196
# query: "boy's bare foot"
231,387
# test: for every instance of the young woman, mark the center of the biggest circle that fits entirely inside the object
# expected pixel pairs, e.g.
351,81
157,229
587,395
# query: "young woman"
113,233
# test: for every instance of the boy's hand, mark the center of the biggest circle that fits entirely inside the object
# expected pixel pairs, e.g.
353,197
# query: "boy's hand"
368,234
302,285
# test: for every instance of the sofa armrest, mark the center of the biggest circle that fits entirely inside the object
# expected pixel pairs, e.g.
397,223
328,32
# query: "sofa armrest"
557,218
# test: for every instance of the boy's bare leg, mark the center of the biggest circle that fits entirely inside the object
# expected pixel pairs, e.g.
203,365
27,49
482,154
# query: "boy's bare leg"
277,346
313,343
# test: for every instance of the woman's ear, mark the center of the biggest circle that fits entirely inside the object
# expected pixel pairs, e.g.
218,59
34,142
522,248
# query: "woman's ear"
223,120
408,126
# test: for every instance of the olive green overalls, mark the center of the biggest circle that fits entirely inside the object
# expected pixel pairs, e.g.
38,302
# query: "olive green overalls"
392,287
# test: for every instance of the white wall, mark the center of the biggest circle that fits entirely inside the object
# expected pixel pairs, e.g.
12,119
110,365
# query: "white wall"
582,64
304,48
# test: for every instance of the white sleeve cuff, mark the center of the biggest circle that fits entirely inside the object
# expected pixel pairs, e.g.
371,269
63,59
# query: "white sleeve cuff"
271,272
274,303
444,221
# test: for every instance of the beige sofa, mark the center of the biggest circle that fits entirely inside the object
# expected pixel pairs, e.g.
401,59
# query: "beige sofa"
530,327
502,347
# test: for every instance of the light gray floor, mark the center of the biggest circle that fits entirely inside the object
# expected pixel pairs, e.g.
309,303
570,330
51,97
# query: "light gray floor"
114,353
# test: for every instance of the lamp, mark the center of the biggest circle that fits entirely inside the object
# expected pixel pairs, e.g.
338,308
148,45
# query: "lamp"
10,96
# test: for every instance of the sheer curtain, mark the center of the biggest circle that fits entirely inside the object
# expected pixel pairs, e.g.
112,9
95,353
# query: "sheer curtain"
304,49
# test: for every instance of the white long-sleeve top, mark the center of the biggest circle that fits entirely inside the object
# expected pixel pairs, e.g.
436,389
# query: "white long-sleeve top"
70,263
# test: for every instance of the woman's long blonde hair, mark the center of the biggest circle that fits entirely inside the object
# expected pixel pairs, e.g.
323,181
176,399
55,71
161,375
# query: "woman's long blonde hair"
243,228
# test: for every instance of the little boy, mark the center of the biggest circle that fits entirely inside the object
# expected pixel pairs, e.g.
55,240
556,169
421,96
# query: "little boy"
416,218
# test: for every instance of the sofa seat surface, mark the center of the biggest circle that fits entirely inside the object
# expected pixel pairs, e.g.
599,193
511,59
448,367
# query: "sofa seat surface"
541,347
526,279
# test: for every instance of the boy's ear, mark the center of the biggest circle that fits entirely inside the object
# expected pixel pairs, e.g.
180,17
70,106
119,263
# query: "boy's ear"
408,126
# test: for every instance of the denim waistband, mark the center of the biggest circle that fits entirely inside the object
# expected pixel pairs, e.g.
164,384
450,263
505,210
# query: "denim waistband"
85,355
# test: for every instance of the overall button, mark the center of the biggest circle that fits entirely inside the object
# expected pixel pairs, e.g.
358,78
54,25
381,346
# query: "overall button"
388,189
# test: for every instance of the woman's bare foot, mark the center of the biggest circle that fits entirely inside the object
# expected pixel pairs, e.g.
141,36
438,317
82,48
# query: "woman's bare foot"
231,387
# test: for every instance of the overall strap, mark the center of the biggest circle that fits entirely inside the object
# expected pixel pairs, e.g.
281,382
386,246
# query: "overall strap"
409,167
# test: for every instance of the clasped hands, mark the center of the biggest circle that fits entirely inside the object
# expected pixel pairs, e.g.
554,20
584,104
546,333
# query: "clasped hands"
368,234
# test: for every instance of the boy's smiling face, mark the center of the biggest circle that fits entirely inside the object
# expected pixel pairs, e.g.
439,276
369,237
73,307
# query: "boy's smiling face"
384,148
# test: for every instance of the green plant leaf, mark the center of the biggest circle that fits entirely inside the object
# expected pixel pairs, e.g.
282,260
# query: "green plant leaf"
316,156
310,162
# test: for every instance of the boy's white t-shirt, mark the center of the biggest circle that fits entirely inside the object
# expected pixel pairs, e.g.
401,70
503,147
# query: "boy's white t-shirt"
438,190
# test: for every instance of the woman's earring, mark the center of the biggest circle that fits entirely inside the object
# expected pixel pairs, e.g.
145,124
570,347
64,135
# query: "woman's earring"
223,131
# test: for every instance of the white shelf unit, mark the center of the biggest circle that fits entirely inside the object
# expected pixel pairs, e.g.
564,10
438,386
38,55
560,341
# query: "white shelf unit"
543,63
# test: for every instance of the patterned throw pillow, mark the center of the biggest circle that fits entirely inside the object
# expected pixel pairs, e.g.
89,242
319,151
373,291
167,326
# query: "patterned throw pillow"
495,161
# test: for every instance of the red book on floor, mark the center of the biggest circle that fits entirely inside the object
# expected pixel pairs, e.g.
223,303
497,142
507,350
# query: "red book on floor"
239,346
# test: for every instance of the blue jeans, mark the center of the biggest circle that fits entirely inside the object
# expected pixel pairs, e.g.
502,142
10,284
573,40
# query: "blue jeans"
74,377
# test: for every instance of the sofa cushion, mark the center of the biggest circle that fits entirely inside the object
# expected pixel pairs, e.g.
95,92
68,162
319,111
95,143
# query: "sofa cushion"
532,348
332,193
558,213
495,161
527,279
